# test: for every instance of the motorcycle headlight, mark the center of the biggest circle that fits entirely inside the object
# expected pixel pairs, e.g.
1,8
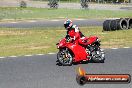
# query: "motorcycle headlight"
58,47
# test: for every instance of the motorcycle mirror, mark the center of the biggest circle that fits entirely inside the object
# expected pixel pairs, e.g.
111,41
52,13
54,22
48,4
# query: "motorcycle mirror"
57,43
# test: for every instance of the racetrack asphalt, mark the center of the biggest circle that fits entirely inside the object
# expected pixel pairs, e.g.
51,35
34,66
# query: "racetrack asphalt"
51,23
42,71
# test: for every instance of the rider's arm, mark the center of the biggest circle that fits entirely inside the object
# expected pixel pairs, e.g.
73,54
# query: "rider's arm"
76,32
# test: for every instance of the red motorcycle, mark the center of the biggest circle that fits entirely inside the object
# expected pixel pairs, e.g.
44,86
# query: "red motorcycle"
72,52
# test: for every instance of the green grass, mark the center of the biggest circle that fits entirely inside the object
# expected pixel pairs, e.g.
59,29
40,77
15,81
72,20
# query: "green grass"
45,13
15,41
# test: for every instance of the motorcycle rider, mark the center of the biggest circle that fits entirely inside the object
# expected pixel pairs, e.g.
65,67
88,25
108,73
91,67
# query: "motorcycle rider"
74,32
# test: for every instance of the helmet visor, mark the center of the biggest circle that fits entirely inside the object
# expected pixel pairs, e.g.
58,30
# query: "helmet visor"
66,25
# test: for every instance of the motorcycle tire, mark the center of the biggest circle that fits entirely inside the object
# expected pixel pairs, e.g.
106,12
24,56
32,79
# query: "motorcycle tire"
62,61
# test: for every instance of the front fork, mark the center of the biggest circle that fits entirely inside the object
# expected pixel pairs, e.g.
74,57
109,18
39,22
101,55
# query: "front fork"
65,52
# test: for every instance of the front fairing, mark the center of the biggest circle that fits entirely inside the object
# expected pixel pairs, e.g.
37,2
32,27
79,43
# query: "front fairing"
78,51
62,43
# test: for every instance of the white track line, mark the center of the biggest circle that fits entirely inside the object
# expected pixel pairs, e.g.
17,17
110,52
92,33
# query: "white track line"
13,22
28,55
121,48
32,21
79,19
39,54
2,57
55,20
13,56
114,48
51,53
113,18
126,47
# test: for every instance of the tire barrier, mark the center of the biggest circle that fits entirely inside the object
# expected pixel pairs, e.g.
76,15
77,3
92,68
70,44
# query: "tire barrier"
122,24
23,4
117,24
106,25
84,3
53,4
114,25
129,20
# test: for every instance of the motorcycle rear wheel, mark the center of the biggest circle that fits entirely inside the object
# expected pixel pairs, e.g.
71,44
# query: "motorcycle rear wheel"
98,56
63,59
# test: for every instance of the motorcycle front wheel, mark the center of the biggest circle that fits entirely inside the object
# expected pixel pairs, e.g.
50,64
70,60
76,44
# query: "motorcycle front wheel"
64,57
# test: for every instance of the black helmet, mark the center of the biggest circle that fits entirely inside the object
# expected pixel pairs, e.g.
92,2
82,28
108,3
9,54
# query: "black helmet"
68,24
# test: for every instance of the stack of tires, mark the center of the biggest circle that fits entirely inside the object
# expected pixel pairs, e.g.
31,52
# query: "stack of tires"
117,24
129,20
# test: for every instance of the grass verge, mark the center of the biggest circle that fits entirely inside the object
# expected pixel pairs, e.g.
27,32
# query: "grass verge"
45,13
16,41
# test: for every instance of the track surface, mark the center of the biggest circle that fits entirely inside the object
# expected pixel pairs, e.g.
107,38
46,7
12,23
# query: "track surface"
52,23
42,71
